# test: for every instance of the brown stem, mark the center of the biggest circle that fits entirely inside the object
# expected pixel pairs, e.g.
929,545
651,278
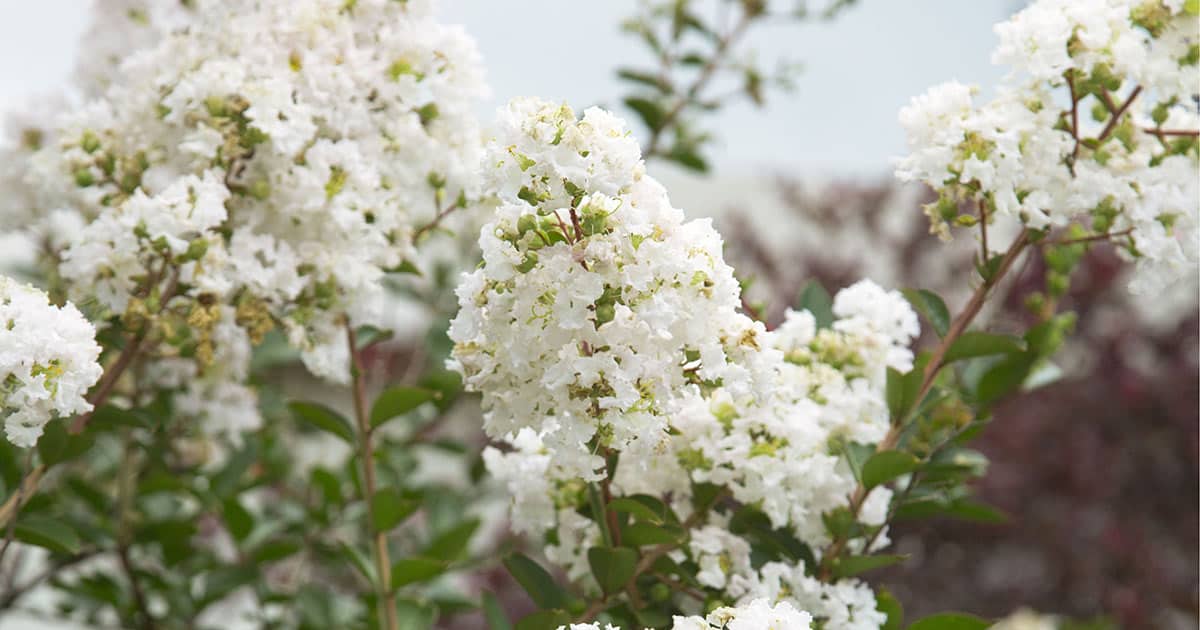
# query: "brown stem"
1192,133
1116,117
388,619
437,219
983,221
957,328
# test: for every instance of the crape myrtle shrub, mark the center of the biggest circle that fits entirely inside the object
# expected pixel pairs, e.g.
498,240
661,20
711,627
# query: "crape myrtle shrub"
1094,461
240,206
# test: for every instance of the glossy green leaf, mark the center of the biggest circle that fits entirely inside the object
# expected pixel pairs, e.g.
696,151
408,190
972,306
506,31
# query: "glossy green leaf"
238,521
969,510
887,604
642,534
48,533
389,507
544,620
643,507
848,566
931,307
1003,378
612,566
980,344
950,621
397,401
816,300
494,614
412,615
542,588
451,544
323,418
650,112
416,569
886,466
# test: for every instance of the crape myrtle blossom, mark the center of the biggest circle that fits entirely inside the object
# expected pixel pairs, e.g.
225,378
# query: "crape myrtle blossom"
280,154
49,359
1095,124
597,306
588,275
755,615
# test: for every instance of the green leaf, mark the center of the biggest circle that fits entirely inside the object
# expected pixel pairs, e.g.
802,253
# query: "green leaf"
981,344
397,401
612,566
358,560
389,507
643,507
451,544
493,613
649,79
931,307
323,418
52,445
448,385
544,620
687,157
238,521
969,510
1192,7
277,549
816,300
48,533
542,588
897,397
649,111
416,569
887,604
642,534
950,621
412,615
886,466
1003,378
849,566
856,455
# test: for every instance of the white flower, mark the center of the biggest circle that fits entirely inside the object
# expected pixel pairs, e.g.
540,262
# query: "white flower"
1035,155
48,360
279,153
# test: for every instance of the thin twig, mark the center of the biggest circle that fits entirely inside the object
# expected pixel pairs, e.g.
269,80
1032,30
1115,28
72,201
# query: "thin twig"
957,328
693,92
388,619
1116,117
1088,239
437,219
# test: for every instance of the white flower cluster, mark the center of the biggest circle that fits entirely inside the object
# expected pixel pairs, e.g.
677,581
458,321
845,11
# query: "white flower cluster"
1096,124
279,153
601,324
596,305
755,615
49,359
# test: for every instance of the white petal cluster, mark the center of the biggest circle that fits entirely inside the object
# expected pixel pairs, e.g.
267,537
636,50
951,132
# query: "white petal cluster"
49,359
1133,67
597,305
759,614
281,153
847,604
603,326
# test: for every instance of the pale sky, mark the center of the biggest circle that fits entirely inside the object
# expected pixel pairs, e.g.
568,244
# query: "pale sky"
859,69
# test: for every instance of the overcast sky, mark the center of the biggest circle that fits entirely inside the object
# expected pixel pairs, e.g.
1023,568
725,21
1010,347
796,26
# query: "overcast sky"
859,69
